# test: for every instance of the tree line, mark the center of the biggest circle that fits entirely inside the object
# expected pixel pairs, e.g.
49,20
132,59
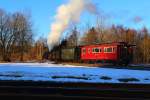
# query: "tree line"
17,38
17,42
97,35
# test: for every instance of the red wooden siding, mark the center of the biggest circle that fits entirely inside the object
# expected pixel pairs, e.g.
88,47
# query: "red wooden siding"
99,52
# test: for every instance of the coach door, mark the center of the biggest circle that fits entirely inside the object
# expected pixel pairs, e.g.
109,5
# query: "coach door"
122,52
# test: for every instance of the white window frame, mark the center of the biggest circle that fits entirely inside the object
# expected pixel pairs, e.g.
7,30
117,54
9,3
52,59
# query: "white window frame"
106,48
89,50
84,51
93,50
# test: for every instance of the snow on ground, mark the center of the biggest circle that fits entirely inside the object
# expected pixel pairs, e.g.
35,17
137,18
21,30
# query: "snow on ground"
69,73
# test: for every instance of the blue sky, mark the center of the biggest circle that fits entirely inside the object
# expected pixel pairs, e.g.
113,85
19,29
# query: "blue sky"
130,13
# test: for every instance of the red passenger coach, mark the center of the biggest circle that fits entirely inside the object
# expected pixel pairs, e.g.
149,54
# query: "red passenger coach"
117,53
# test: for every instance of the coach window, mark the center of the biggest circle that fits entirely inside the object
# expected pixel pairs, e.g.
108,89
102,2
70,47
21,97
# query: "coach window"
100,49
105,49
109,49
96,50
84,50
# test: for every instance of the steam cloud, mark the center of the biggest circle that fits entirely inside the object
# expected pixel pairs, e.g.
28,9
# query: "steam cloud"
66,14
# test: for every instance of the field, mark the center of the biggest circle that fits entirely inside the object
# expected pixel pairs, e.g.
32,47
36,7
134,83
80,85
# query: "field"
71,73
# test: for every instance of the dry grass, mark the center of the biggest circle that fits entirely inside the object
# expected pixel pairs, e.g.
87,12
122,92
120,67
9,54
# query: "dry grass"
81,64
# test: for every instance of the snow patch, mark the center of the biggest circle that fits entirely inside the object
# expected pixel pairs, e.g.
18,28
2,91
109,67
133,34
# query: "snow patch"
69,73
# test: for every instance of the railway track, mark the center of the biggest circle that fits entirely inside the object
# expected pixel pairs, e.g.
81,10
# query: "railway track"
73,91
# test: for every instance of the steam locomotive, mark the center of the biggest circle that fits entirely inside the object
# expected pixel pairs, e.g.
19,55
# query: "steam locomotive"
116,53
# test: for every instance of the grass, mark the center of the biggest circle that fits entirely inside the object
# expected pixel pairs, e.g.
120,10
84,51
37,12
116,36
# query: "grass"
105,78
71,77
129,80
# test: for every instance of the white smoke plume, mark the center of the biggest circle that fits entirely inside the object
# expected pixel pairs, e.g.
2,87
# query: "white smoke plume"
66,14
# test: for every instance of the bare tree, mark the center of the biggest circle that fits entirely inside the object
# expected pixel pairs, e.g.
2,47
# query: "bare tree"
101,27
145,46
91,37
7,37
22,29
41,47
73,38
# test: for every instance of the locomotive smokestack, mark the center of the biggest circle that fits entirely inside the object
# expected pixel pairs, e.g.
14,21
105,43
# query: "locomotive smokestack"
66,14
